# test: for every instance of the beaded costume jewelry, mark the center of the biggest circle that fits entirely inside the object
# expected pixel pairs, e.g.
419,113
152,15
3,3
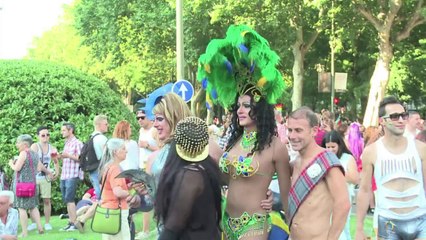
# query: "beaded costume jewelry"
248,140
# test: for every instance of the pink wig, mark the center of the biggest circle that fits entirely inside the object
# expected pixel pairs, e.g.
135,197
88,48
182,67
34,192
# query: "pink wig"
356,142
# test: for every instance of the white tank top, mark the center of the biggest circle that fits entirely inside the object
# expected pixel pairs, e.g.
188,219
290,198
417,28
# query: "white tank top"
45,159
391,166
146,135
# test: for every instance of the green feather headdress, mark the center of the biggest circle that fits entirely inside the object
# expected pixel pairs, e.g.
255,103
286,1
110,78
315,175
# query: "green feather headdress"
241,62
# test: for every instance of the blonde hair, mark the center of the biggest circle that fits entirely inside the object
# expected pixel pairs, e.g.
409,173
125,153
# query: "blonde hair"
122,130
98,119
174,109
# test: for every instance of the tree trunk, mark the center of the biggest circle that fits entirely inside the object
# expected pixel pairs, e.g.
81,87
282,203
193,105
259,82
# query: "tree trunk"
298,70
379,80
197,101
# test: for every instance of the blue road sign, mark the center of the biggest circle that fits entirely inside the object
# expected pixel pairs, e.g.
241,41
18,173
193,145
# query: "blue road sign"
184,89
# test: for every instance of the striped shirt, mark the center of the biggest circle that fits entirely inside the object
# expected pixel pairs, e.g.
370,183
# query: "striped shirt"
71,168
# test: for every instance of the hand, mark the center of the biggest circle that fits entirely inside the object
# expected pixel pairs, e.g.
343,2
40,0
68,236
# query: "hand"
54,155
267,203
139,187
50,175
134,201
55,176
65,155
143,144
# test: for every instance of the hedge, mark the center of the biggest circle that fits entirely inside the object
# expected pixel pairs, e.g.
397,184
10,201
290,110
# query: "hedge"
35,93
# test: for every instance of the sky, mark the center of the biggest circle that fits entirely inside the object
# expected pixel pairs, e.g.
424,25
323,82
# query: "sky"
22,20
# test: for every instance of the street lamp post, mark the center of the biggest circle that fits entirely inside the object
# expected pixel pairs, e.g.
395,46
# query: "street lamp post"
332,45
179,41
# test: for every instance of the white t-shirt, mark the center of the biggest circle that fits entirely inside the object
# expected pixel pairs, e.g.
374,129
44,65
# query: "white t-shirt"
99,143
146,135
132,157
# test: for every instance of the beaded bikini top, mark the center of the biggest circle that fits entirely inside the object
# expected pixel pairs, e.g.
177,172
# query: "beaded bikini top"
239,166
242,165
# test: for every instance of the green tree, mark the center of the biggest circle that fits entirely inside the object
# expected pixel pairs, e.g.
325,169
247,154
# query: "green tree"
393,21
407,78
133,39
62,44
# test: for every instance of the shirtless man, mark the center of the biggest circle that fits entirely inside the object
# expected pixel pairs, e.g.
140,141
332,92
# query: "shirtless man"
399,167
319,212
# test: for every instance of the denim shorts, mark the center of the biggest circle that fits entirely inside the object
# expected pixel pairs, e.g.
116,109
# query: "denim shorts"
402,229
68,189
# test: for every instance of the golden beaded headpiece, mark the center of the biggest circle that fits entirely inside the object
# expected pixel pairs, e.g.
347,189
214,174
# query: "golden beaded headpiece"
192,139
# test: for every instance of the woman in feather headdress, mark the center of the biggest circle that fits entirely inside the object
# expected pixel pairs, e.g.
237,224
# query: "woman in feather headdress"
239,73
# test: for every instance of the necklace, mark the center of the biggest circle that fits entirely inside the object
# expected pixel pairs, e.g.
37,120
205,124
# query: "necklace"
248,140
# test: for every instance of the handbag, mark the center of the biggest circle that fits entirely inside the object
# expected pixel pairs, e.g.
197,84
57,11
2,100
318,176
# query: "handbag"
107,220
26,189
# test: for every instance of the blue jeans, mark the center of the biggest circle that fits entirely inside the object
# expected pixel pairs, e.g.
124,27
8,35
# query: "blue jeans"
391,229
94,179
68,189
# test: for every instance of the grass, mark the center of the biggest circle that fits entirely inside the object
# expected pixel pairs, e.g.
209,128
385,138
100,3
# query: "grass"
368,226
57,223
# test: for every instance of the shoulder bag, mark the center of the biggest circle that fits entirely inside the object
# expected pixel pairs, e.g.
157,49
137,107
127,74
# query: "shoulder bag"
107,220
26,189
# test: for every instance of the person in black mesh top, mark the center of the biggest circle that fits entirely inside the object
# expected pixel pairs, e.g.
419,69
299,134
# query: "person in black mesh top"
189,194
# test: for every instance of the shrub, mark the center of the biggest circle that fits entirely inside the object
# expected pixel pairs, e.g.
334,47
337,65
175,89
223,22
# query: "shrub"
34,93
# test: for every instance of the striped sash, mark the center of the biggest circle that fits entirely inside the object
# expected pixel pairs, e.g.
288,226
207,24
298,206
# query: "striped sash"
309,178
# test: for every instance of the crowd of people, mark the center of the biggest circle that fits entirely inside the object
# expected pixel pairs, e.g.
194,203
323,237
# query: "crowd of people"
213,182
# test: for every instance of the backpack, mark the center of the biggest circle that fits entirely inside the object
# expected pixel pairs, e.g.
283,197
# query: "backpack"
88,159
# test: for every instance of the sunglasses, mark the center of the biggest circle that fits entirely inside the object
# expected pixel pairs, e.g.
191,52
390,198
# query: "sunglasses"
396,116
140,118
45,135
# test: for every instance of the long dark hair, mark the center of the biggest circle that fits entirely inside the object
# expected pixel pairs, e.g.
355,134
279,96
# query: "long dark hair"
263,113
334,136
172,167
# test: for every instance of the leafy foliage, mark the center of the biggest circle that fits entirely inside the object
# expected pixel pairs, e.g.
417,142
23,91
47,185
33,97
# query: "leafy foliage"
132,38
130,43
36,93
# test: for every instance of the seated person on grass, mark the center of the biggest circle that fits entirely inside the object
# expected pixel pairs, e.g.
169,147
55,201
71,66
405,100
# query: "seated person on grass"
86,208
8,216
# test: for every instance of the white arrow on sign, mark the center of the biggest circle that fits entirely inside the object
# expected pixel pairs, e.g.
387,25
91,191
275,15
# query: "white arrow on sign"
182,90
